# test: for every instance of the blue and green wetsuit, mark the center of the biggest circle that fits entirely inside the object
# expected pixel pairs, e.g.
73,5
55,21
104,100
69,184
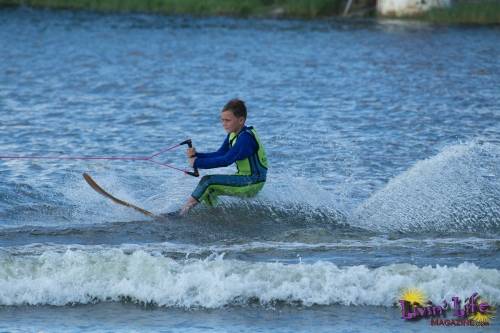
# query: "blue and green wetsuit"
244,149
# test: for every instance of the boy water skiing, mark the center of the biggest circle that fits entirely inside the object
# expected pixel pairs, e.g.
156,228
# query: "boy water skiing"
241,146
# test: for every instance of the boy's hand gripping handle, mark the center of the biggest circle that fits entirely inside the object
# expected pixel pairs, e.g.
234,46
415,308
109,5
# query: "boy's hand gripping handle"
195,172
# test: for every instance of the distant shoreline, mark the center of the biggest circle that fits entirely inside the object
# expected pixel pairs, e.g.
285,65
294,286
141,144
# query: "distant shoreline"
307,9
486,12
475,13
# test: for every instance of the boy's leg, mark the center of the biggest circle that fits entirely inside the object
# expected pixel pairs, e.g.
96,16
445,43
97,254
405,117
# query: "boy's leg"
211,186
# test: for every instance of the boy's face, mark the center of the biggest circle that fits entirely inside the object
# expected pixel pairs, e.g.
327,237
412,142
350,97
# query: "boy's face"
230,122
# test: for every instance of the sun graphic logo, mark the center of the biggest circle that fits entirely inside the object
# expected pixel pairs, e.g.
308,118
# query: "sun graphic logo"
413,296
414,305
475,311
485,314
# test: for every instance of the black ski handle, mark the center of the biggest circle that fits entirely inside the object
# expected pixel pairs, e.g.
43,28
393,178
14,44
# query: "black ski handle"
195,172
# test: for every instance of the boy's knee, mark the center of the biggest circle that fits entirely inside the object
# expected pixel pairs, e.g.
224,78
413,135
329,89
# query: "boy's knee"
205,179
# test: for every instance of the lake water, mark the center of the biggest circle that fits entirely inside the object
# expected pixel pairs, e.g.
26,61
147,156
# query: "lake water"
384,145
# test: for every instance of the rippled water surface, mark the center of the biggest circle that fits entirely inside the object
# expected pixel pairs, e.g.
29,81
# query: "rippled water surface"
383,141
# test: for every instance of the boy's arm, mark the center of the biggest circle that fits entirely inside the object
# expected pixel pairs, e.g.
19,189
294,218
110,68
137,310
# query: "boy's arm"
245,146
221,151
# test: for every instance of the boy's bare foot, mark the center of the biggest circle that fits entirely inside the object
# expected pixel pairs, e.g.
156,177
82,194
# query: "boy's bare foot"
187,206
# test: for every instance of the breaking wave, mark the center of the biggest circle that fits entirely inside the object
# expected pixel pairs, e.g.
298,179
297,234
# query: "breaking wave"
77,276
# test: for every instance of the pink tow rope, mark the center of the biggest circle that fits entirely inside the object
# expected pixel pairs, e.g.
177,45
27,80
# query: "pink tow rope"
114,158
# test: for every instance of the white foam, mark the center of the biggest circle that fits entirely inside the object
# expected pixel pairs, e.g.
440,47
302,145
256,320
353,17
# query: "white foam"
78,276
456,190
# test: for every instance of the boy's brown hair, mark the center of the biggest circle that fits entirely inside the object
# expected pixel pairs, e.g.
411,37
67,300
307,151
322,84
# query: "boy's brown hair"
237,107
